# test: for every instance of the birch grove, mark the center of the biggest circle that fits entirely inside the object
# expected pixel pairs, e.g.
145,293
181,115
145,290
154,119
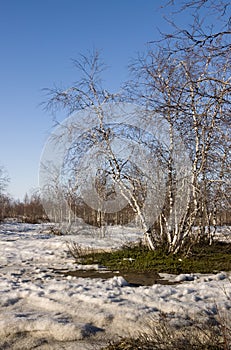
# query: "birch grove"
186,78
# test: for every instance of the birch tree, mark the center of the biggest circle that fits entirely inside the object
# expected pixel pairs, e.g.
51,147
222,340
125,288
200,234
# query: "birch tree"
4,200
88,95
186,78
4,180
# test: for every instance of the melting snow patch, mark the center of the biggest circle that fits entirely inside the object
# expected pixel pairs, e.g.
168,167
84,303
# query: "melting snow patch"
37,302
118,281
184,277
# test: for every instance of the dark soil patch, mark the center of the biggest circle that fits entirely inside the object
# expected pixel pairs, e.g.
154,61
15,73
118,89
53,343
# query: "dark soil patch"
135,279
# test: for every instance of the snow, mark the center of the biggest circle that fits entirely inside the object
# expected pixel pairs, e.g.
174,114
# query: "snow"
40,308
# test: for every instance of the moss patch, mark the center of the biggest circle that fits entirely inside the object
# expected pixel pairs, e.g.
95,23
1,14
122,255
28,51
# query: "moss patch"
202,259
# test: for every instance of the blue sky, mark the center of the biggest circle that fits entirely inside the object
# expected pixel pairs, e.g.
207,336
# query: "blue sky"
38,39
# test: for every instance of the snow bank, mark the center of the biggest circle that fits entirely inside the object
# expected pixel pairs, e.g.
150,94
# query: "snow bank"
39,308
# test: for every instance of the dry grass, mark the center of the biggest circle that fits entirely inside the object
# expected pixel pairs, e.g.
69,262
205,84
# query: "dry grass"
159,334
78,251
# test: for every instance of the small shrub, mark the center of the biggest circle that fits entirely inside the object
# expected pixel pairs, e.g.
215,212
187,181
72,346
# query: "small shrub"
80,253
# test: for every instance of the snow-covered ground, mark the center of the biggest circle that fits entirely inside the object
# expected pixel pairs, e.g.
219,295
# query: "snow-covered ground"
44,310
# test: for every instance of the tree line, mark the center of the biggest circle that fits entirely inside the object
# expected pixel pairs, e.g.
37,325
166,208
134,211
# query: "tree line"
29,210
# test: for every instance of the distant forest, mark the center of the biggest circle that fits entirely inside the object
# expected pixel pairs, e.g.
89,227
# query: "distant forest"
31,210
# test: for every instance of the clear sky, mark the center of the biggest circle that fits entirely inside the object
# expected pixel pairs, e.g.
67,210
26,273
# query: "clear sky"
38,39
